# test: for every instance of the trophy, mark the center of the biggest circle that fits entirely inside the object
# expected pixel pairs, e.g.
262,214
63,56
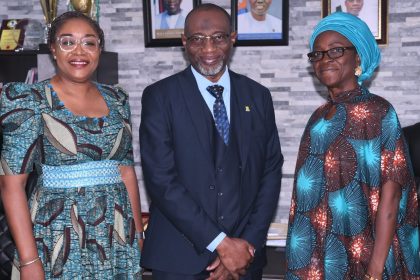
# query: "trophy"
87,7
49,8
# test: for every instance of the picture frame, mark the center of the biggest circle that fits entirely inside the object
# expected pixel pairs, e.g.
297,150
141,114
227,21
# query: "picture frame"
373,12
225,4
251,32
12,34
163,28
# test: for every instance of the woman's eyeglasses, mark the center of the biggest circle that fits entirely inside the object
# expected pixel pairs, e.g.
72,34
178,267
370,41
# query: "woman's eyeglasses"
333,53
89,44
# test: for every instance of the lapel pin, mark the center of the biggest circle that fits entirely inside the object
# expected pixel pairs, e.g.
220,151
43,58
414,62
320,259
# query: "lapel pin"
247,109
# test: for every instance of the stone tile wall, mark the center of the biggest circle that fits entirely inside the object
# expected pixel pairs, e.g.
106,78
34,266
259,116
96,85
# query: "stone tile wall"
283,69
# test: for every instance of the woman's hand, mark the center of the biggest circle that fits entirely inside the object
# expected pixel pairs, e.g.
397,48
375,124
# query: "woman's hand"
375,275
34,271
375,269
129,178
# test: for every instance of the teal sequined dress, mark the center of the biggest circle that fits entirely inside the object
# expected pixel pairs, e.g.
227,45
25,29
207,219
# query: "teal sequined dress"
342,166
81,232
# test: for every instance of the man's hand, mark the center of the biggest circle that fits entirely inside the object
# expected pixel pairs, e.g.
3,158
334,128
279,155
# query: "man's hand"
218,271
236,255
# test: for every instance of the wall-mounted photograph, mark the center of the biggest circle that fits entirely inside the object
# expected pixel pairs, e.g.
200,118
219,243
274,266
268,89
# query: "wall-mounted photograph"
261,22
373,12
225,4
164,21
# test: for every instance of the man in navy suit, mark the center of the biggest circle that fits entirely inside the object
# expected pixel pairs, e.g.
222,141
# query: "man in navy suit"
211,160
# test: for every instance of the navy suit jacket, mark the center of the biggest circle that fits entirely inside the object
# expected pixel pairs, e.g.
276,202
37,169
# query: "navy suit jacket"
412,136
179,171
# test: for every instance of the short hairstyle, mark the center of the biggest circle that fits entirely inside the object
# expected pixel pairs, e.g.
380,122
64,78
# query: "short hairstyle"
208,7
59,21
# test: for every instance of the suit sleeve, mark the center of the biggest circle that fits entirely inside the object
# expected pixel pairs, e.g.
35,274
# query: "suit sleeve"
167,193
265,204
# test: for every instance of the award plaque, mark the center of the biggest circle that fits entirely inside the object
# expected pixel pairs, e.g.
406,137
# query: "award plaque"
34,35
12,34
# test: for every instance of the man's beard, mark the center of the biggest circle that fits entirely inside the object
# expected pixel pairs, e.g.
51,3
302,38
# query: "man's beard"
210,71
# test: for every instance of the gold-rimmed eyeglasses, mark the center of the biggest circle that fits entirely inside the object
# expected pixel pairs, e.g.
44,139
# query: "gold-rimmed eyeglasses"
89,44
333,53
217,39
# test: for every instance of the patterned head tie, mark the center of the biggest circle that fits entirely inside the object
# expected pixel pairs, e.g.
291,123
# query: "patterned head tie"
358,33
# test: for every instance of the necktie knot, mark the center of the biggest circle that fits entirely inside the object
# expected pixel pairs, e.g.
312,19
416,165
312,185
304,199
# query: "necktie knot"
216,91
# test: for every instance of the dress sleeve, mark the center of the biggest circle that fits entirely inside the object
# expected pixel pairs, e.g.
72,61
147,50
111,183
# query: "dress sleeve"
21,126
395,162
124,109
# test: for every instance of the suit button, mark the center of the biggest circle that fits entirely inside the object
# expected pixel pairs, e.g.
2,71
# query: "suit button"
220,170
221,218
220,194
240,166
212,187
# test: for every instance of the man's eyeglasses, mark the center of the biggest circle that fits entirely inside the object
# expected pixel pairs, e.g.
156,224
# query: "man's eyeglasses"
218,39
89,44
333,53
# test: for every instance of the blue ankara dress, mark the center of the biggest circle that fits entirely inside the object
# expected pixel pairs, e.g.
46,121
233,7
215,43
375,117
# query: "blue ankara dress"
85,232
342,165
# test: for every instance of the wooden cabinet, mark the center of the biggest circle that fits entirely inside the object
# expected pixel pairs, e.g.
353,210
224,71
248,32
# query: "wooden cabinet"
15,66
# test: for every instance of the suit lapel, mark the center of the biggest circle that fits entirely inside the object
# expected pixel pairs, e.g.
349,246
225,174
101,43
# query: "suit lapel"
241,115
194,101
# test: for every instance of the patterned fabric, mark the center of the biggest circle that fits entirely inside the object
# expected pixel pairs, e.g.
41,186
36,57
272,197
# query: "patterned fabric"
219,111
342,165
86,174
80,232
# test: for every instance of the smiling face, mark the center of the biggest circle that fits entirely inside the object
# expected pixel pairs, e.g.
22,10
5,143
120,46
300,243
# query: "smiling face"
336,74
173,7
77,65
209,59
259,7
354,6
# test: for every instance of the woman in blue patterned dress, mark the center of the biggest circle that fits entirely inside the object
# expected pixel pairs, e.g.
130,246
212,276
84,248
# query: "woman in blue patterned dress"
84,217
354,205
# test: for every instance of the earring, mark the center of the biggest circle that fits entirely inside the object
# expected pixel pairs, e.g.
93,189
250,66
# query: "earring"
358,71
54,57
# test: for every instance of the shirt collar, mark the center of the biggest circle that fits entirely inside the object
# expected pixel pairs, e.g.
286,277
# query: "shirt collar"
203,82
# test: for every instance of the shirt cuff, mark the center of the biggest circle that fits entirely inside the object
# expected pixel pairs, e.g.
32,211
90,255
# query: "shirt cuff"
213,245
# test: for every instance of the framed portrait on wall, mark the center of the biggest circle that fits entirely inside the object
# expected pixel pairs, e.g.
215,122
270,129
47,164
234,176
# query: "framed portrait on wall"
164,21
261,22
373,12
225,4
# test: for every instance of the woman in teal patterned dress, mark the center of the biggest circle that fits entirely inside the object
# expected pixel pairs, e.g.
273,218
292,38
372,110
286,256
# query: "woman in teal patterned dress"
354,205
84,219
